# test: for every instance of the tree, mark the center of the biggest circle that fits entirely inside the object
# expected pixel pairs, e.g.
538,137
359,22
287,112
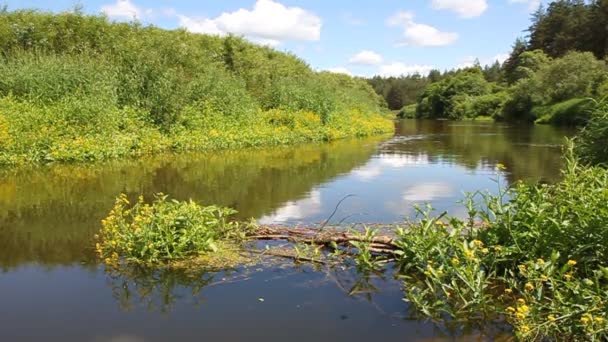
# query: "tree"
512,62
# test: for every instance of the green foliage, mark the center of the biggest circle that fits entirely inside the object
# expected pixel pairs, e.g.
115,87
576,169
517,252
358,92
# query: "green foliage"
570,112
164,231
407,112
591,144
78,88
535,254
401,91
446,98
577,74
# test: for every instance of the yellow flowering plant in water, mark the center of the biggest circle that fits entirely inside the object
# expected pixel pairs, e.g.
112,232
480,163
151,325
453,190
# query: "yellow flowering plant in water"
166,230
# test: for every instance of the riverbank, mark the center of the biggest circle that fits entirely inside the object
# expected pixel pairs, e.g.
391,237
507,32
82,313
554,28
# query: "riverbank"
80,88
27,136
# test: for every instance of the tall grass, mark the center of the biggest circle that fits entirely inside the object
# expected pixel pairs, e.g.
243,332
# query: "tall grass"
75,88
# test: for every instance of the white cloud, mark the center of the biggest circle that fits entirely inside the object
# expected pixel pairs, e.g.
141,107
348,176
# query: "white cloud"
268,22
402,160
401,69
420,34
340,70
532,4
123,9
426,192
366,57
464,8
367,172
295,210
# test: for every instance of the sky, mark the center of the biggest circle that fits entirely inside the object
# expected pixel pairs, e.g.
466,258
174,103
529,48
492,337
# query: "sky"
362,38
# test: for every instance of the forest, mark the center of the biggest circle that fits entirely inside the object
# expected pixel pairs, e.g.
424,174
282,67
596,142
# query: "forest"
555,75
76,87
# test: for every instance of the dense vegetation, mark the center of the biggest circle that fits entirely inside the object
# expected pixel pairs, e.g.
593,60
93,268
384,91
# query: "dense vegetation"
549,78
76,88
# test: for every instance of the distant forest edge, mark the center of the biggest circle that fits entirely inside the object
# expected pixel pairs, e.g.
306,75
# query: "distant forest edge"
77,87
555,75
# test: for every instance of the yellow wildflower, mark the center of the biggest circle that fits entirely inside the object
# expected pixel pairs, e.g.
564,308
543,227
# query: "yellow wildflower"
571,262
498,248
455,261
468,254
508,291
520,316
540,260
485,251
524,328
584,319
478,243
510,309
523,309
551,318
543,277
568,276
521,301
529,286
599,320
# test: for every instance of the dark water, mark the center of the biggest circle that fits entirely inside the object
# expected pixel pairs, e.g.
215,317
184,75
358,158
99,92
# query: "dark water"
51,288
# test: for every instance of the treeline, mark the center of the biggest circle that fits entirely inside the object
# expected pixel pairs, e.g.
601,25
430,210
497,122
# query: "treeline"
79,87
554,76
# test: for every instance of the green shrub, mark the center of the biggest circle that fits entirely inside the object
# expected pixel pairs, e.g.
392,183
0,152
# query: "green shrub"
164,231
570,112
75,87
591,144
535,254
407,112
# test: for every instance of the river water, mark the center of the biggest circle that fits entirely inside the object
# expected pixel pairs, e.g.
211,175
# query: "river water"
52,289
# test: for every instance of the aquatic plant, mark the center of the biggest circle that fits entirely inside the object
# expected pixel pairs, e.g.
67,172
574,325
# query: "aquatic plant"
165,231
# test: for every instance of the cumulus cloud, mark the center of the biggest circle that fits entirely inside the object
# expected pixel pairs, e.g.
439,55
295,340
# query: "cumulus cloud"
340,70
366,57
464,8
124,9
420,34
426,192
401,69
532,4
296,210
268,22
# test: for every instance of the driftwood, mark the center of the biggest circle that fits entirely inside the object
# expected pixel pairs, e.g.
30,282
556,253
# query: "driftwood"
380,244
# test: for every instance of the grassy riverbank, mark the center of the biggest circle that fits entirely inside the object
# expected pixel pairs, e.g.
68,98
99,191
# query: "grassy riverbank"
80,88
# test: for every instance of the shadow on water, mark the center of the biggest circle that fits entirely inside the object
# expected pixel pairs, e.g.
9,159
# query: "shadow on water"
48,216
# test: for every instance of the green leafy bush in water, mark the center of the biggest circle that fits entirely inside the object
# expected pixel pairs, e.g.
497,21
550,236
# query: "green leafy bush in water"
537,257
164,231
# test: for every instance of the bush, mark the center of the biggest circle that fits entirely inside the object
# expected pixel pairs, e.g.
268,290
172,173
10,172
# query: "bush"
572,112
591,144
75,87
407,112
537,257
164,231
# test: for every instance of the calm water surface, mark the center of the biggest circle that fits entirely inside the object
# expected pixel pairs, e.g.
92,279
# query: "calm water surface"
52,289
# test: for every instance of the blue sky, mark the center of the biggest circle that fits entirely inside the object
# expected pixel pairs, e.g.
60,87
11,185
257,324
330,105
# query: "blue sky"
386,37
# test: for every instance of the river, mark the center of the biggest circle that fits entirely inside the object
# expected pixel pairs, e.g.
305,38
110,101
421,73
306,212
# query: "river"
52,289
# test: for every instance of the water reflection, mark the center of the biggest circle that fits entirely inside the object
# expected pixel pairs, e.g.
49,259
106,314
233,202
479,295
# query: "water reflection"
48,216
